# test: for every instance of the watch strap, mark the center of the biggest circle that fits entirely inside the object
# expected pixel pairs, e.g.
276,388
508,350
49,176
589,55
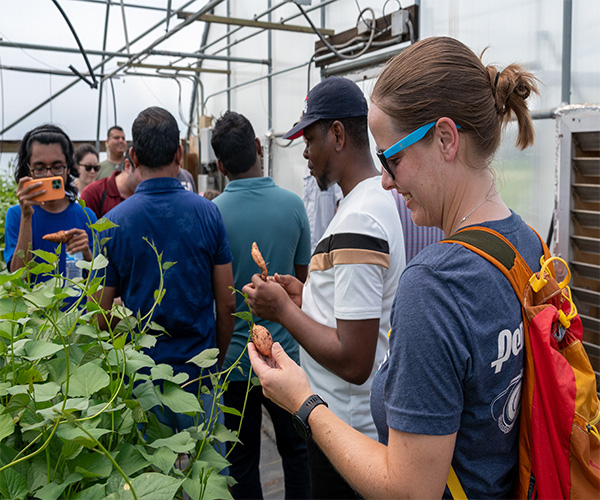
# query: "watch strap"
307,407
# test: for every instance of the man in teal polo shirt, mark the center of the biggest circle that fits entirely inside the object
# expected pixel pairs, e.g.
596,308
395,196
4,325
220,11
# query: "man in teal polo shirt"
255,209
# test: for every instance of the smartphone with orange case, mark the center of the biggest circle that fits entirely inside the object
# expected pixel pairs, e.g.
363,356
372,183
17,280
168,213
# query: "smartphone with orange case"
54,186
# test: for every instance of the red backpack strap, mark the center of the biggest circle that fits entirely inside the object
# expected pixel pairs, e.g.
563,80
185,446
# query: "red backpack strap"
495,248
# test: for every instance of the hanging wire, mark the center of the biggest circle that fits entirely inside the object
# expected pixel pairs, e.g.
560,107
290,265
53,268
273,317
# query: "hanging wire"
331,47
184,120
43,63
94,83
384,6
361,16
112,87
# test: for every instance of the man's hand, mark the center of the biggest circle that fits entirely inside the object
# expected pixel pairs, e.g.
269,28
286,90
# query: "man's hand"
293,286
79,242
27,197
267,299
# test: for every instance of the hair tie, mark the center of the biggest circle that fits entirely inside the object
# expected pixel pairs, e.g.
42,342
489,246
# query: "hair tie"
500,111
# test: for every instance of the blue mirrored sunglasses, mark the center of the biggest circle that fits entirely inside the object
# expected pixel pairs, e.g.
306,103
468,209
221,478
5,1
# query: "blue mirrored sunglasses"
409,140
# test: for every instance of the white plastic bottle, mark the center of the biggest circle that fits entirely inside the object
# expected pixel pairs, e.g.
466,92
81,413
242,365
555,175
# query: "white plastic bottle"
72,270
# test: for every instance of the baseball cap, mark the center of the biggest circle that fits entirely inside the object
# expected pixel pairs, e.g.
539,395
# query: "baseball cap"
335,97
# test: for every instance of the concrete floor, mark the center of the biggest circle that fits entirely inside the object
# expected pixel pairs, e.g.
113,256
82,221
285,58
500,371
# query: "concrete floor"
271,472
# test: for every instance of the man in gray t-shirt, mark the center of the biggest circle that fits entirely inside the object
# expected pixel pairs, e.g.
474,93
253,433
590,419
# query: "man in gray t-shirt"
116,145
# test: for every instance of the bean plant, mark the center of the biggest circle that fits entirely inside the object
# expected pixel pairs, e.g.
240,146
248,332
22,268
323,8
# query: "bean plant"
75,419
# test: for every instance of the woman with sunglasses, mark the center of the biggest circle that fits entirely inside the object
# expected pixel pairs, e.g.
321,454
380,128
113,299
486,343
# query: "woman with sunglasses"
86,160
448,392
45,151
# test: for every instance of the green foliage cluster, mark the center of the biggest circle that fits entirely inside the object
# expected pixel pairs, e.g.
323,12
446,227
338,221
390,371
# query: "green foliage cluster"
75,400
8,198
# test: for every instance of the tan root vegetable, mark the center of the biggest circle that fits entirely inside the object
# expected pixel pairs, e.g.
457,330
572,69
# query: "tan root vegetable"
58,237
261,337
260,262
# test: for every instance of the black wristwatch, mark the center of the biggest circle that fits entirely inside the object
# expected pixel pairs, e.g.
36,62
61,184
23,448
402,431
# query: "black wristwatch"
300,418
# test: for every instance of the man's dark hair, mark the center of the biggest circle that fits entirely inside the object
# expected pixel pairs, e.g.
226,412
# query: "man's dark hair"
355,127
155,137
126,155
46,134
234,142
114,127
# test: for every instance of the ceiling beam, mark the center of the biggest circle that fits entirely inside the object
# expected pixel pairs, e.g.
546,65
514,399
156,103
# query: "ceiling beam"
176,68
252,23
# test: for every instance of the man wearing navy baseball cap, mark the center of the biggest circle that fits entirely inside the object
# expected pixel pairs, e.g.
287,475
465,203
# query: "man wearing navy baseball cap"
333,98
345,304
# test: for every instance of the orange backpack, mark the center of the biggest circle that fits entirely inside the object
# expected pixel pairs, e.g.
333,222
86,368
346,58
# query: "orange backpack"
559,445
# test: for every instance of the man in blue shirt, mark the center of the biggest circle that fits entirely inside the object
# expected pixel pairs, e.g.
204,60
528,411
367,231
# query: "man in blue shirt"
186,229
256,210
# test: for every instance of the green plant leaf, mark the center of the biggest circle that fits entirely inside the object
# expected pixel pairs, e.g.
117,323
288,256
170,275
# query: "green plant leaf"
130,459
138,414
216,487
13,485
162,458
99,262
93,353
181,442
93,465
206,358
70,450
212,458
17,403
87,379
153,325
230,410
69,432
42,269
87,330
102,224
158,296
11,309
154,486
165,372
223,434
54,490
168,265
124,422
146,395
45,392
29,375
37,473
73,404
125,325
55,369
19,389
148,341
119,342
193,488
67,322
245,315
38,349
5,278
95,492
7,425
48,257
179,400
101,407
